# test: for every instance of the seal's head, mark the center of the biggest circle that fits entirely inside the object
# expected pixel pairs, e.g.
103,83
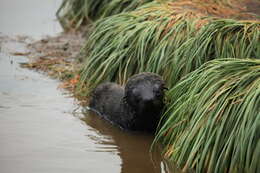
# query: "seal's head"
144,93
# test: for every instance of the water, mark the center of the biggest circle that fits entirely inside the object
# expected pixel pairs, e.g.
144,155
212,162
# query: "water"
29,17
39,129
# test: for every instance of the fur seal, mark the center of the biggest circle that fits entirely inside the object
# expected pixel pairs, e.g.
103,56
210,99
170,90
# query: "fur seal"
135,107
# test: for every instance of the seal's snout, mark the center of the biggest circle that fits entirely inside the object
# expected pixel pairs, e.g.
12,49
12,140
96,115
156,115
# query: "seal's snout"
151,103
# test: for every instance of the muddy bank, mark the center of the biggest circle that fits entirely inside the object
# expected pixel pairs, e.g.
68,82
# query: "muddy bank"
57,57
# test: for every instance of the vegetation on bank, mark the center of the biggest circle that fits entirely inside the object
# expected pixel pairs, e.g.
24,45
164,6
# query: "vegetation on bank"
208,51
75,13
169,39
212,122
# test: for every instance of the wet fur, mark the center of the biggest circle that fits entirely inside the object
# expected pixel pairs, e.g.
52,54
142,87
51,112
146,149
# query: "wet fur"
136,107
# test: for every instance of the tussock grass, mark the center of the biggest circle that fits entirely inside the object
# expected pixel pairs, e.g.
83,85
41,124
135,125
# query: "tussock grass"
212,123
218,39
75,13
123,45
171,39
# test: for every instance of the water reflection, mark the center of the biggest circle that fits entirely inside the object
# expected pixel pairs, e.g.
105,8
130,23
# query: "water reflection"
133,148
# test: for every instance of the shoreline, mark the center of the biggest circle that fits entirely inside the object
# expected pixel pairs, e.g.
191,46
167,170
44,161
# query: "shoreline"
57,58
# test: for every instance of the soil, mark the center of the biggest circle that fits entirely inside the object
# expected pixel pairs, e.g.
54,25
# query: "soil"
58,57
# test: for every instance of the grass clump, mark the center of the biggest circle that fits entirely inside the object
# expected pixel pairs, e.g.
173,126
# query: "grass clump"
73,13
122,45
171,39
220,38
76,13
213,119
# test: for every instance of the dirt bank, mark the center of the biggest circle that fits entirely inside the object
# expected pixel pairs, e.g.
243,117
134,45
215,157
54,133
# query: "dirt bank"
57,57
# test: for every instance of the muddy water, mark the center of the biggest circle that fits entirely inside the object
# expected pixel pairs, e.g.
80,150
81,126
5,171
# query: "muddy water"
132,148
40,131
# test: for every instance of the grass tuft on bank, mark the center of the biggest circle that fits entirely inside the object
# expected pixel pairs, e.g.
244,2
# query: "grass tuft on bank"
77,13
212,123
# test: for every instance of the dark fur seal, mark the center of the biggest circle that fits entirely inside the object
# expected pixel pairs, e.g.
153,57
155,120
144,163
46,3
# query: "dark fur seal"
136,107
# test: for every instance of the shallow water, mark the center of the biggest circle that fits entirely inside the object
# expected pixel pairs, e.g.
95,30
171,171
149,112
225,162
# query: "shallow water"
40,131
29,17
